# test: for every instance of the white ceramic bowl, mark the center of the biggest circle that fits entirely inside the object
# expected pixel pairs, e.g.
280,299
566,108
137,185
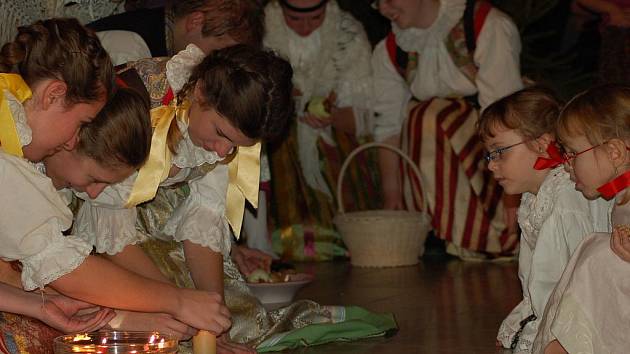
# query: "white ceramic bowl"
274,295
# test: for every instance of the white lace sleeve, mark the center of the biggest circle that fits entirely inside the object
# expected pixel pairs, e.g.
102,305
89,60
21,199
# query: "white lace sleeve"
497,57
109,230
104,222
391,94
32,219
201,217
60,256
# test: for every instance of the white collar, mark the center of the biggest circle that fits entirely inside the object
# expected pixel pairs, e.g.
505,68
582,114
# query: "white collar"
25,133
415,39
180,66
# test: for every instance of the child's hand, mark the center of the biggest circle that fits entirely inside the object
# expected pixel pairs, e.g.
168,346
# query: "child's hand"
249,259
69,315
620,242
142,321
314,121
203,310
225,346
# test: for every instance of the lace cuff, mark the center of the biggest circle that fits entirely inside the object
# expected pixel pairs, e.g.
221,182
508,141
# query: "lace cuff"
200,224
109,230
60,257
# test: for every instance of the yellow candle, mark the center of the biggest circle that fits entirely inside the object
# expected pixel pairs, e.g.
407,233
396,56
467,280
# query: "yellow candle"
204,343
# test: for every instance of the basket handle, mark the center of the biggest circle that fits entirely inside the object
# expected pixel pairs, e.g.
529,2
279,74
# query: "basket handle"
357,150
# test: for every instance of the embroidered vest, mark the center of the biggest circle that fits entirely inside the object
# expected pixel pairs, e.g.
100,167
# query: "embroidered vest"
461,43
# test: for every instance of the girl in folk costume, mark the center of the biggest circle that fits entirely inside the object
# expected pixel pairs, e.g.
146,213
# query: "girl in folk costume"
439,53
65,79
209,113
187,217
517,130
329,52
587,312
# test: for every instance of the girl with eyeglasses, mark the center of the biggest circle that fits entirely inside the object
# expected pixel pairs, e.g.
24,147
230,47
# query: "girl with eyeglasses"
518,132
588,310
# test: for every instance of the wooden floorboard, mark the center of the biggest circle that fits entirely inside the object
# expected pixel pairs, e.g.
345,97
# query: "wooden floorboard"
442,305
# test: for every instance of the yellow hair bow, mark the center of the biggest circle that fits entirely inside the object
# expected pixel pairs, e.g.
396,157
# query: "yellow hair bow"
9,139
158,165
244,174
243,170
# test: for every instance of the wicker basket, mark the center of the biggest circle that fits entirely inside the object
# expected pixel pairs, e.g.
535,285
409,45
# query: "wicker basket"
382,238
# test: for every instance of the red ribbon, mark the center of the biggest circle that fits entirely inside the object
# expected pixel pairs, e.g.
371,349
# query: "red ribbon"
120,82
555,158
610,189
166,100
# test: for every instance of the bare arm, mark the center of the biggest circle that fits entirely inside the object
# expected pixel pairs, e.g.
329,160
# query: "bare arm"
57,311
206,267
133,258
99,281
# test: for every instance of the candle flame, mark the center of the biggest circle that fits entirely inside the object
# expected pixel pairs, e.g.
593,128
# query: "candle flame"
80,337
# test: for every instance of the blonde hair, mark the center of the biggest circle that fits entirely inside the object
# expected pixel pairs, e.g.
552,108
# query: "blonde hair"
600,113
532,112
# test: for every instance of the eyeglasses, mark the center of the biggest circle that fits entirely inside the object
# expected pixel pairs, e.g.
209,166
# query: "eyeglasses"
569,155
496,154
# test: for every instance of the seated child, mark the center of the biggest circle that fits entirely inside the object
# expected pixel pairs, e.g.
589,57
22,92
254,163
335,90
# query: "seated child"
518,131
588,310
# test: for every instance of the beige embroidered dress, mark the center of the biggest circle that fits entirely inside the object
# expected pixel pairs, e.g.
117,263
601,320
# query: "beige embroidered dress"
188,206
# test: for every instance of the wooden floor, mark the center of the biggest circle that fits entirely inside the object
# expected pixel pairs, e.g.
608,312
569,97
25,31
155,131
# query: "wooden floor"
442,305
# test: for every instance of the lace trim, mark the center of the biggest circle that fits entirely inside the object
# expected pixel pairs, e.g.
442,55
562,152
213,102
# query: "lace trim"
315,76
536,208
505,335
59,258
190,155
115,244
418,39
181,65
19,115
210,230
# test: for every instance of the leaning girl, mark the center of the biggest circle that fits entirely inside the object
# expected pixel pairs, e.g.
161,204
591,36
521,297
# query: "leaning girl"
210,113
65,78
523,156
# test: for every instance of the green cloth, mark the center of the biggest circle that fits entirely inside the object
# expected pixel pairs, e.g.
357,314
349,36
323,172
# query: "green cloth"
349,323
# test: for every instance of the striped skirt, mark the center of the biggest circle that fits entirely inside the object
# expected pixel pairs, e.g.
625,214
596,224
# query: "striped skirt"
465,202
301,217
